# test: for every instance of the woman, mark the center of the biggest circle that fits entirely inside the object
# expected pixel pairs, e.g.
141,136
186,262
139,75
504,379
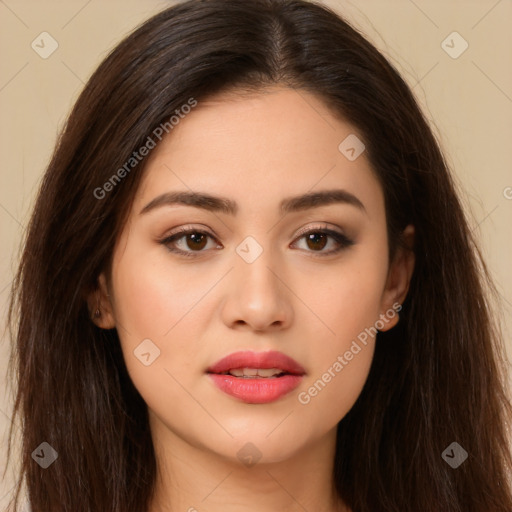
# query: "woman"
248,284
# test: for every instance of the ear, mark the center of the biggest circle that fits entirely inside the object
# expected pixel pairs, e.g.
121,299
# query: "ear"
100,305
399,277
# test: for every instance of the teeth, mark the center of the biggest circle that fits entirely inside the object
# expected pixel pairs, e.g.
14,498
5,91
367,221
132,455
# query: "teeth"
269,372
252,373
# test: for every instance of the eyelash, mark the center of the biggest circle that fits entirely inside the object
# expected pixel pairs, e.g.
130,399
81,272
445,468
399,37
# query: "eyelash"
343,241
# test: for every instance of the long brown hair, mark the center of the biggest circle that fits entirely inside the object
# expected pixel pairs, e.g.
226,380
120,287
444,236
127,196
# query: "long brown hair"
437,378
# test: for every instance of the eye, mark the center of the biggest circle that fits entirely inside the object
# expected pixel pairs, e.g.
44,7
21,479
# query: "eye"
187,241
317,239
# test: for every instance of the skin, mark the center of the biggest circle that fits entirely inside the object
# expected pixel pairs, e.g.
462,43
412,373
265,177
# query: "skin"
256,149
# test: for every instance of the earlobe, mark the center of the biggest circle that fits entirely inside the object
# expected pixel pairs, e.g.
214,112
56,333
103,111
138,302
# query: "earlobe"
399,277
100,305
392,317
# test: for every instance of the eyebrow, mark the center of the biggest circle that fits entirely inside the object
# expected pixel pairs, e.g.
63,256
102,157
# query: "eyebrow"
230,207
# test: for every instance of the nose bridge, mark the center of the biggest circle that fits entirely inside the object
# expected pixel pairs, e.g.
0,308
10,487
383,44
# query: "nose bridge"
254,270
258,297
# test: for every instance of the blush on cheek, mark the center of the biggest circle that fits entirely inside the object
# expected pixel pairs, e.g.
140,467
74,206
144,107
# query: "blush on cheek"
333,391
146,306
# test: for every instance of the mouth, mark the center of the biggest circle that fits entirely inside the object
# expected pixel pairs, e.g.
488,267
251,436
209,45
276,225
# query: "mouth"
255,373
256,377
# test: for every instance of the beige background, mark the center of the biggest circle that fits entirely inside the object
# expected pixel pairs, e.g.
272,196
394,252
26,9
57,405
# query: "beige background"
470,99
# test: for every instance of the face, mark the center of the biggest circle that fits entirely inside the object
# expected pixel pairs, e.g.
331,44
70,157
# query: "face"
261,265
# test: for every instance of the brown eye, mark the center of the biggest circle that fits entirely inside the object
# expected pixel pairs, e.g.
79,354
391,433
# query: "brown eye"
196,241
187,242
316,241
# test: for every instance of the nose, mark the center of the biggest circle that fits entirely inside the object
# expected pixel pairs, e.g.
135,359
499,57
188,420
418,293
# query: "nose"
258,297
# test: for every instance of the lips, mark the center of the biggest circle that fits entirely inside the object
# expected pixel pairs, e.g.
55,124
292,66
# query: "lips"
257,360
256,377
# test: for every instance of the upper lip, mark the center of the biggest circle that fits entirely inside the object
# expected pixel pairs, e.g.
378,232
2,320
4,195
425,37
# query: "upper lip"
249,359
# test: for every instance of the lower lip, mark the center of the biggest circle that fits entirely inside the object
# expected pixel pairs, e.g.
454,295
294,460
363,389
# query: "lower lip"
256,390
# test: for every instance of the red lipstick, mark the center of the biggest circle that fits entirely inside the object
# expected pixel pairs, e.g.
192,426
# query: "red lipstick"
256,377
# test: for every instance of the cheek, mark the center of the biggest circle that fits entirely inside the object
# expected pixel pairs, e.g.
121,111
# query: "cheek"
330,394
349,306
153,303
346,298
150,298
340,361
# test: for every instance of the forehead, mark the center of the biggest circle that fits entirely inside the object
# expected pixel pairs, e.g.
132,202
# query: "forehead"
259,148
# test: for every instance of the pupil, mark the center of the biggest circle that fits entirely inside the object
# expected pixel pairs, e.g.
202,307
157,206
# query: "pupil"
198,241
314,239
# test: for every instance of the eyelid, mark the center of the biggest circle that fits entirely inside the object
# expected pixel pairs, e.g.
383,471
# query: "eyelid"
303,231
320,227
187,228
